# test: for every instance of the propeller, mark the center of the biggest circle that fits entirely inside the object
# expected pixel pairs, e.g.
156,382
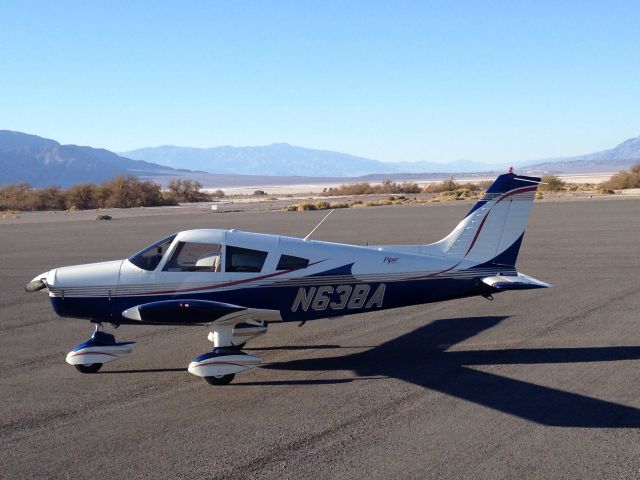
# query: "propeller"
35,285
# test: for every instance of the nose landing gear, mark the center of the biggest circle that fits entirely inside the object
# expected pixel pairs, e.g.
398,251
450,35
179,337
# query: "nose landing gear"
89,356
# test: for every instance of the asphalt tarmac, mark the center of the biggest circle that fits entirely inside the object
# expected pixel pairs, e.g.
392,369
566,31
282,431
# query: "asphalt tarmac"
535,384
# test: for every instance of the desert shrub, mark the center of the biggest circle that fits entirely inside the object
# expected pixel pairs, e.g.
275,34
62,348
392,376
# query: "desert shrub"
457,194
82,196
103,217
122,191
16,197
184,190
126,191
350,189
49,198
367,189
477,187
624,180
605,191
306,206
259,193
404,187
444,186
551,183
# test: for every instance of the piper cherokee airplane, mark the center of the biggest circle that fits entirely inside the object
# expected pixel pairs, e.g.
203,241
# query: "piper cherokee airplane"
236,283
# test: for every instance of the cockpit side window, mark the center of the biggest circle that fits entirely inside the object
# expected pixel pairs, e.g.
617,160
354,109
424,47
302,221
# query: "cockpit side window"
289,262
149,257
244,259
194,257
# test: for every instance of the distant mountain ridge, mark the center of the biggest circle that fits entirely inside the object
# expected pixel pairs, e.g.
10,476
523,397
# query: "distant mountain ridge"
620,157
43,162
283,159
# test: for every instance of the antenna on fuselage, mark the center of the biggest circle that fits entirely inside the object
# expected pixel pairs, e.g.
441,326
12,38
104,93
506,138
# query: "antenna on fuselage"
320,223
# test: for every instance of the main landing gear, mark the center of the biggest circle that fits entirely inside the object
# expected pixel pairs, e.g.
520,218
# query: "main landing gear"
219,366
89,356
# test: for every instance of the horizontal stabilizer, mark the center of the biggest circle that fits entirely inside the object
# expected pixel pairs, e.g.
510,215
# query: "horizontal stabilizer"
514,282
197,312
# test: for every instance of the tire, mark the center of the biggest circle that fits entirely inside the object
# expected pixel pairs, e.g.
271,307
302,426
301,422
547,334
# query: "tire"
222,380
90,368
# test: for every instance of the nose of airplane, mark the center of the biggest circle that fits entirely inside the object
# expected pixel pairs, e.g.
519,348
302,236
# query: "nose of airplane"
103,274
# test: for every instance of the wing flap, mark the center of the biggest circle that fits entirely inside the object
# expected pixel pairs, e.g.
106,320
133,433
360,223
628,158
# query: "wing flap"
514,282
197,312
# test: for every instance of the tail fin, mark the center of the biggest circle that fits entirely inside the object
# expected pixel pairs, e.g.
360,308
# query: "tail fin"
493,229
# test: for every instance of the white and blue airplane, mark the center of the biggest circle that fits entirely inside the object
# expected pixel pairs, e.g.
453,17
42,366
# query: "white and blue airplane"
236,283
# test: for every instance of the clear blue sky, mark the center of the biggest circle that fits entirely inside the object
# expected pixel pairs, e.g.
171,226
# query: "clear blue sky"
426,80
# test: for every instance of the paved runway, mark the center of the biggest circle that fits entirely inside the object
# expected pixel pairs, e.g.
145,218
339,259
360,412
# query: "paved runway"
537,384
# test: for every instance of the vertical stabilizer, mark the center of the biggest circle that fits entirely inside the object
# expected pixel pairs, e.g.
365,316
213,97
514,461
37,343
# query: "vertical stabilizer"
493,229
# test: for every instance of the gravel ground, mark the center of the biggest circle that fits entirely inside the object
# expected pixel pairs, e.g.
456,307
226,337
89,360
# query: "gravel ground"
537,384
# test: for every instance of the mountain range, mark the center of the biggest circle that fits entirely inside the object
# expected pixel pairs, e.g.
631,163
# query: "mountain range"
620,157
284,159
42,162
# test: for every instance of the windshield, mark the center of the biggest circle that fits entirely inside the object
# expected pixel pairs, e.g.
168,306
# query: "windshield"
149,257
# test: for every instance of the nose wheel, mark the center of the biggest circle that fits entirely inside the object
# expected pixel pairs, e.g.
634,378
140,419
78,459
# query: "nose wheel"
101,348
89,368
220,379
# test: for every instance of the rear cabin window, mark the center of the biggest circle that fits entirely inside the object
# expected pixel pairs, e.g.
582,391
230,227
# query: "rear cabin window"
289,262
149,257
194,257
244,259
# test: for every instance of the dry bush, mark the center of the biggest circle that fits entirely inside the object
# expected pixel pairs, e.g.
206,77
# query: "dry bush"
121,192
49,198
16,197
605,191
551,183
350,189
126,191
367,189
83,196
444,186
184,190
623,180
457,194
306,206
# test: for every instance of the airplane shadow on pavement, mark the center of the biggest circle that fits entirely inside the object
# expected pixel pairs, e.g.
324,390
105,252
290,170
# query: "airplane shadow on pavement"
421,357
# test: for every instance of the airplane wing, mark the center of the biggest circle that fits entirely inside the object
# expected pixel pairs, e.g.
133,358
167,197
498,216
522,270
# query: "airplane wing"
197,312
514,282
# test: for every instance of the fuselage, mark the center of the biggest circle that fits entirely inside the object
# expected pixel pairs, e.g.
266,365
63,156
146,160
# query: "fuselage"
303,280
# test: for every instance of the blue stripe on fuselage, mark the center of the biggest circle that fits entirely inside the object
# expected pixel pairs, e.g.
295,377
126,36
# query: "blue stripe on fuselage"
396,294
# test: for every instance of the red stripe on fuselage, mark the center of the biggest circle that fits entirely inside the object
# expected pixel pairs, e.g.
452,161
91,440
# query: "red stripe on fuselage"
228,284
